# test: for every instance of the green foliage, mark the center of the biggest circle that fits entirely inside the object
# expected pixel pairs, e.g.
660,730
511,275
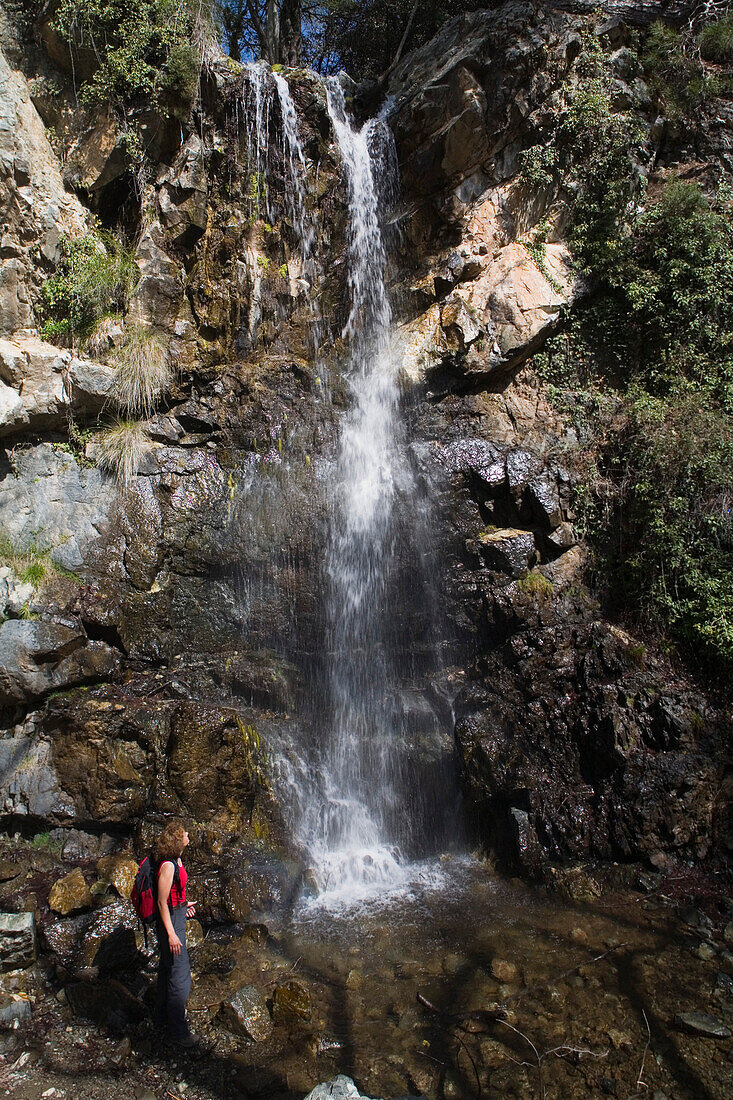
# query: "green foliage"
538,166
96,276
657,492
143,372
145,51
716,40
33,565
588,154
255,757
671,281
672,66
661,513
257,197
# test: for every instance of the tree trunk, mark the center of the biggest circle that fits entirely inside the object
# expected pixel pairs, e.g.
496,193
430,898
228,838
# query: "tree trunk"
272,30
291,34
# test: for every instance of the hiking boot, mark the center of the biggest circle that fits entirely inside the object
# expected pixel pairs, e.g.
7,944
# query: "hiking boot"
187,1042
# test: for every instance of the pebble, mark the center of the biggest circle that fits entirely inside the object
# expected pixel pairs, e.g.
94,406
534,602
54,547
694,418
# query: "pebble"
503,971
705,952
699,1023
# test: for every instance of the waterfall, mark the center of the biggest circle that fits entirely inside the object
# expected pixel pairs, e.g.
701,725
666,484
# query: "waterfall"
348,832
367,779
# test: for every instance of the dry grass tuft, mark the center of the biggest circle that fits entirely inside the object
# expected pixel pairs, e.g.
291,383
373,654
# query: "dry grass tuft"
122,449
144,373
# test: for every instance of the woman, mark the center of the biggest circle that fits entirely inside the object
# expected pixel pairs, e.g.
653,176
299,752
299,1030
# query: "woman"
174,969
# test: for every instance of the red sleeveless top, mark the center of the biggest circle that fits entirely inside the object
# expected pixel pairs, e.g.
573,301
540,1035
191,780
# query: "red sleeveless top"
175,898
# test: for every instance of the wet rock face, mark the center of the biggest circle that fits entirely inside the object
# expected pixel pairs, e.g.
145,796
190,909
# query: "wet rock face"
141,687
570,753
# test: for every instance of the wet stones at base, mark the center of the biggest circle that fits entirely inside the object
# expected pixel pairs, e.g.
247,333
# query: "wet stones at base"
247,1013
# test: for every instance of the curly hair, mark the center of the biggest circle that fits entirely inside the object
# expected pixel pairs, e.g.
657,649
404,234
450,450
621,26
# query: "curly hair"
170,842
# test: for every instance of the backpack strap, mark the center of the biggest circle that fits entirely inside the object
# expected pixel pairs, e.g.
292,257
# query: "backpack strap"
176,877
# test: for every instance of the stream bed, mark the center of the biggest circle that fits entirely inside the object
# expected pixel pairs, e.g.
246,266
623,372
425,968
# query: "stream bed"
453,985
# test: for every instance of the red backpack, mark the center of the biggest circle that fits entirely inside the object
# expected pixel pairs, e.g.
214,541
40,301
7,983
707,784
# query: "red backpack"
145,889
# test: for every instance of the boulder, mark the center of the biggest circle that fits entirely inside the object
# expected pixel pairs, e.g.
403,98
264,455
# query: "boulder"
70,894
543,497
104,939
17,940
77,845
97,157
508,549
247,1013
338,1088
42,384
158,297
29,781
13,1009
38,210
182,195
119,871
107,1003
39,657
699,1023
460,322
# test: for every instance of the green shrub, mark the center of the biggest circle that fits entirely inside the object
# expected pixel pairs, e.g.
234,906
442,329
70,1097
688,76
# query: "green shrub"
716,40
660,517
150,50
143,372
122,449
96,276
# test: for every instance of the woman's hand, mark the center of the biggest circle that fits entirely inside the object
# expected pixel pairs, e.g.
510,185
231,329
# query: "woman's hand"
175,944
191,910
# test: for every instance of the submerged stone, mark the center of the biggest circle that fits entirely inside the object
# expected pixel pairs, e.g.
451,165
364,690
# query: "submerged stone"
247,1012
292,1001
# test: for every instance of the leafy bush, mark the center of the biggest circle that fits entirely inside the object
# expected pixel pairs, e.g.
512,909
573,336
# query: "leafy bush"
716,40
670,275
661,515
657,490
122,448
144,372
143,51
96,276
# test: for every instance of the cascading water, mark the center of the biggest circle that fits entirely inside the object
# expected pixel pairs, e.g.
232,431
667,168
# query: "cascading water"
357,825
367,789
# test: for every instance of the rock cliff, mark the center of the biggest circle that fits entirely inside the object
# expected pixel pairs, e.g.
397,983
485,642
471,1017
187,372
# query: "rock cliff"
160,629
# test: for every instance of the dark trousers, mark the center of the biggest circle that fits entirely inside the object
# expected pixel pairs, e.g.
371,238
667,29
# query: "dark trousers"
174,978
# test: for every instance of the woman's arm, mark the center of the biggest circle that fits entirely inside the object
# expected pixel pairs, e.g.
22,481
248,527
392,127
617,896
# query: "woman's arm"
165,882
